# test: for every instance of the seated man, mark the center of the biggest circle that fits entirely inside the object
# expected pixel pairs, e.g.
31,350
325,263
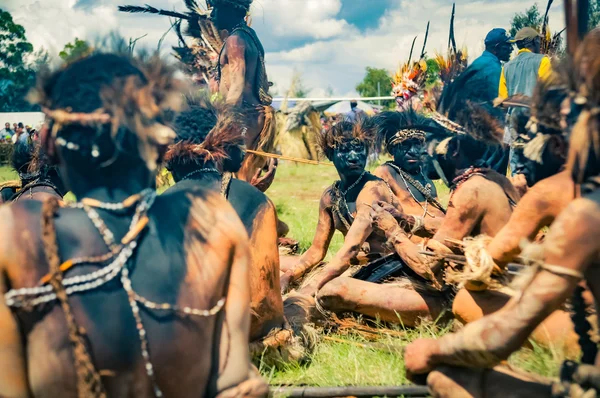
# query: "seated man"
541,151
345,205
399,133
38,179
570,255
116,295
207,150
481,200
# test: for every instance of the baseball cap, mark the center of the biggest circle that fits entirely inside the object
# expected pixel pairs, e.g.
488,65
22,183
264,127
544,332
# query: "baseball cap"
497,36
526,33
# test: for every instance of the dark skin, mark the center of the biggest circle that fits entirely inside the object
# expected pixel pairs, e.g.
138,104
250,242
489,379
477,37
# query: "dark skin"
350,159
478,206
259,217
239,62
571,244
193,253
409,156
538,208
501,50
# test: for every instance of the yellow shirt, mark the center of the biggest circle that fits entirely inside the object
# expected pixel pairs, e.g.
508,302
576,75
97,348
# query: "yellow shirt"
544,71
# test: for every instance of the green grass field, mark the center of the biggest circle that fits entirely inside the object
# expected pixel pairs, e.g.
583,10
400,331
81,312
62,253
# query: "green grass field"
296,193
349,359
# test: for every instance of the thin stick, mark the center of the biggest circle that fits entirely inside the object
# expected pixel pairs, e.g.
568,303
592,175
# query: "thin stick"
350,391
299,160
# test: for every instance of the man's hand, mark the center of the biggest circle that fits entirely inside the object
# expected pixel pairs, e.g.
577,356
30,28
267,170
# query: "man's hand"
263,182
383,220
418,356
520,183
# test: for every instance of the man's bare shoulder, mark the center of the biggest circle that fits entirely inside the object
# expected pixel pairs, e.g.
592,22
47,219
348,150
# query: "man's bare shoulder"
327,197
383,171
585,212
552,193
560,184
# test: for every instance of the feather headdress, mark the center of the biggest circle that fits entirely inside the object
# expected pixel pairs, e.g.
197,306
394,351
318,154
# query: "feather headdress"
451,65
140,103
409,79
193,146
363,131
200,52
584,85
393,128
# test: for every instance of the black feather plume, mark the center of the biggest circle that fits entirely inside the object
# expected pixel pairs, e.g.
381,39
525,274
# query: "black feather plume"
425,41
151,10
411,49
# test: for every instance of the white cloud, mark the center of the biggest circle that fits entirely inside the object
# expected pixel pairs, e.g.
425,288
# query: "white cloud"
300,19
341,62
332,52
53,23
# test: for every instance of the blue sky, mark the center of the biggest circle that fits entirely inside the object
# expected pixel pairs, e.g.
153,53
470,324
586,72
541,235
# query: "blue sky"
330,42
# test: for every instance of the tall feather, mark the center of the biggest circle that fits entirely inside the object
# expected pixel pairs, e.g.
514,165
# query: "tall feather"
451,39
425,41
412,47
545,20
151,10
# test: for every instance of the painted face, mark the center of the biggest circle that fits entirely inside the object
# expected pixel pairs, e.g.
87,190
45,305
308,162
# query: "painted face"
409,155
350,158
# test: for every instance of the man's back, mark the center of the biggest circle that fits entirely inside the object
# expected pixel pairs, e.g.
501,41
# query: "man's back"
259,218
521,73
485,76
192,254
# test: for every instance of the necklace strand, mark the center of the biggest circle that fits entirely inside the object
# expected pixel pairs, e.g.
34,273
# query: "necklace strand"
341,199
31,297
426,191
205,170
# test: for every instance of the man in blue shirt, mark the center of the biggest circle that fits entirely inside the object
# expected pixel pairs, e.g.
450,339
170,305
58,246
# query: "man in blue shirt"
480,82
485,71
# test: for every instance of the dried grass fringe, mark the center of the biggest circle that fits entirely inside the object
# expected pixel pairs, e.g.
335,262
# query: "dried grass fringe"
479,265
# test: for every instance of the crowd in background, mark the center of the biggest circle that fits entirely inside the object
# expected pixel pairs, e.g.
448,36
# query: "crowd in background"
11,134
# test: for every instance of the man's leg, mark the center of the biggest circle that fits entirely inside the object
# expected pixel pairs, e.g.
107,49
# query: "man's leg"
455,382
388,302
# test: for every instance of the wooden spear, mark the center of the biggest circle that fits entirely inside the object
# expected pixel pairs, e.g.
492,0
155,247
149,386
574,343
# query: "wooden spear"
299,160
350,391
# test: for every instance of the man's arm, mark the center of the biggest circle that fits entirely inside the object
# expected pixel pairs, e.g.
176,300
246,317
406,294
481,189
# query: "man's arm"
534,211
465,211
318,249
502,89
13,369
463,215
570,247
233,323
361,228
236,61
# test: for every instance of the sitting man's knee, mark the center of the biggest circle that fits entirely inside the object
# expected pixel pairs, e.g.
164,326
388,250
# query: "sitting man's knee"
445,382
